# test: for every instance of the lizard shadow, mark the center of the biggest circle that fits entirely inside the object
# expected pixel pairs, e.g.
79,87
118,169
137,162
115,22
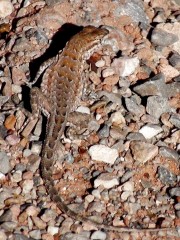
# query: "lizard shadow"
59,40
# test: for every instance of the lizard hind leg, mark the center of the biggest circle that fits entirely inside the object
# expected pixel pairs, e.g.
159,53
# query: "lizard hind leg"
39,103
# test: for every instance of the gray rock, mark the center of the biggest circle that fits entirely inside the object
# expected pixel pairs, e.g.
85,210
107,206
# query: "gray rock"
69,158
20,167
177,79
136,136
168,153
133,9
177,206
163,38
6,216
3,99
5,166
166,176
178,214
157,105
18,236
127,176
146,118
175,120
133,107
175,192
104,131
175,60
157,86
113,97
39,35
52,2
9,226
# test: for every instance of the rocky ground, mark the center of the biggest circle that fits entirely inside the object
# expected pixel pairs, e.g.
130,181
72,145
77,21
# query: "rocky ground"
123,168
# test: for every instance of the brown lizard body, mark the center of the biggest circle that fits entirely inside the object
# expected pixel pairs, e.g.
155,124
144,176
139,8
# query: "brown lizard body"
63,88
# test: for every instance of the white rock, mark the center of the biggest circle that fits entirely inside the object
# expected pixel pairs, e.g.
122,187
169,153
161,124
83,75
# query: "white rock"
98,116
89,198
107,72
150,130
16,176
125,66
16,88
98,235
52,230
118,119
83,109
100,63
128,186
36,148
6,8
27,186
107,180
3,236
27,153
96,193
103,153
2,176
125,195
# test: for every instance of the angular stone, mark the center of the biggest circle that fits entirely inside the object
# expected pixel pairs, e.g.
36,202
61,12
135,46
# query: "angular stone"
103,153
107,180
142,151
175,60
166,176
169,153
157,86
150,130
175,120
163,38
157,105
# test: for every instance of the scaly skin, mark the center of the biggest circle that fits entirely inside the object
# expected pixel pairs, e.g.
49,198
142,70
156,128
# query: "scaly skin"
63,89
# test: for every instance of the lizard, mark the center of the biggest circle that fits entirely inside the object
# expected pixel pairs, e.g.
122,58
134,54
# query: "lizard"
60,91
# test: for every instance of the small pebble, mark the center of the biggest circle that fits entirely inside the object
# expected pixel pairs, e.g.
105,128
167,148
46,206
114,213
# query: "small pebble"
142,151
100,63
5,165
98,235
106,180
107,72
52,230
175,191
83,109
150,130
168,153
103,153
125,66
166,176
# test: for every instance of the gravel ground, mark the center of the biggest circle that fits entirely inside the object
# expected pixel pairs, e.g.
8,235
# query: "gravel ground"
122,169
